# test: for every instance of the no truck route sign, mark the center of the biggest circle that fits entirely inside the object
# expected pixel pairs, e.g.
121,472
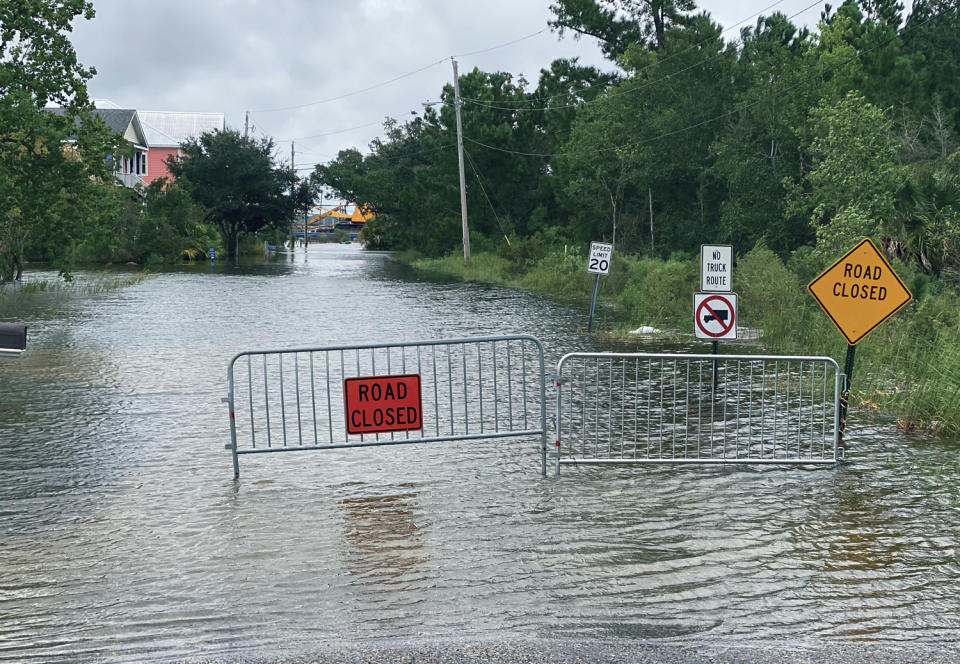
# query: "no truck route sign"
715,316
383,404
716,262
859,291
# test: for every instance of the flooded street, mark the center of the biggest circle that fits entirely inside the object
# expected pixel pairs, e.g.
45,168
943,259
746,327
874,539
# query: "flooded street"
123,535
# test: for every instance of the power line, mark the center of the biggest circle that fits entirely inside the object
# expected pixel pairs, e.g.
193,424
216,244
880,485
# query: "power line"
666,59
473,167
739,109
637,88
505,44
479,102
340,131
355,92
396,78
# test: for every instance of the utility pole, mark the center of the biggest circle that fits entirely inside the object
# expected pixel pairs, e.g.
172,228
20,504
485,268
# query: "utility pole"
246,126
457,103
293,192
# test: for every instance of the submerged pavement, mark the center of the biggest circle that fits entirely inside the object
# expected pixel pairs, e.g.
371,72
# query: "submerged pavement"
614,652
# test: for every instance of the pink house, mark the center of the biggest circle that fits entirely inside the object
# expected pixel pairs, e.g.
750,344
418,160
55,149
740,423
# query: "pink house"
166,130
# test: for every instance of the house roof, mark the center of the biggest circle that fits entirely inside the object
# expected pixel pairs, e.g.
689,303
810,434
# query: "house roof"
171,128
118,119
157,138
123,121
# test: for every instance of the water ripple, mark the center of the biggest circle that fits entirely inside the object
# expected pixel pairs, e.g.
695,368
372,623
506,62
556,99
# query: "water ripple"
123,536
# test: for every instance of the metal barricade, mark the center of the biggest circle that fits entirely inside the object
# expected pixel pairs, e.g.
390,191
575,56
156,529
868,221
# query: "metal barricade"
666,408
294,400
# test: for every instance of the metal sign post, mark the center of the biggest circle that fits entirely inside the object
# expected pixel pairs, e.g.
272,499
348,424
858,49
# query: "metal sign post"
593,303
858,292
600,255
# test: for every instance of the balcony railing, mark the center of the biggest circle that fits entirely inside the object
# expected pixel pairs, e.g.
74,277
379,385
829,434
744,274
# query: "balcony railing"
129,180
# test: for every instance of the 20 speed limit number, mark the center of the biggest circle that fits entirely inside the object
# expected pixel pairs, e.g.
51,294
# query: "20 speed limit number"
600,254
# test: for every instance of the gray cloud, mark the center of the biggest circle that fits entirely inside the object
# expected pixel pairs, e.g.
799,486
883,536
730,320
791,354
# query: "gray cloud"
239,55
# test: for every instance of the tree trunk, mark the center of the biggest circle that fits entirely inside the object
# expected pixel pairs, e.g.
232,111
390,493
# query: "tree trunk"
659,15
613,205
650,201
230,241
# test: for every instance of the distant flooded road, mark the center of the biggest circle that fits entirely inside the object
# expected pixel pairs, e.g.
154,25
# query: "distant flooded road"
124,537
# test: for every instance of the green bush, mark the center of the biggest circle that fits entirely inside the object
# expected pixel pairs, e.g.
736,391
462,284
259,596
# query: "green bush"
561,273
771,297
658,292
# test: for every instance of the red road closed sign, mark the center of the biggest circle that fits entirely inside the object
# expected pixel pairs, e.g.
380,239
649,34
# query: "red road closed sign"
382,404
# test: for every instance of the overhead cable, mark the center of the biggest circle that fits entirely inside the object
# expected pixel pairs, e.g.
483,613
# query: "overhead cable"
509,43
621,92
718,117
473,166
666,59
396,78
355,92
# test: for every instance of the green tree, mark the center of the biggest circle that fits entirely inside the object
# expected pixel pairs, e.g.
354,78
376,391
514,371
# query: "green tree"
52,166
235,180
933,31
303,196
598,171
171,226
759,152
617,24
647,142
410,177
850,190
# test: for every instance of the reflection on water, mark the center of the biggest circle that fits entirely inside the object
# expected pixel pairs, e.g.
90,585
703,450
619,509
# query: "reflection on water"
123,535
382,537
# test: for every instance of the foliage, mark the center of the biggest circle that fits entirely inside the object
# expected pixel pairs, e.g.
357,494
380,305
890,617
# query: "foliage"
658,292
171,227
855,173
619,24
236,182
54,179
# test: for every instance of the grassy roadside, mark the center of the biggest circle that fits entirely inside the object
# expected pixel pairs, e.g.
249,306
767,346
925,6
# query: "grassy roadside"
908,367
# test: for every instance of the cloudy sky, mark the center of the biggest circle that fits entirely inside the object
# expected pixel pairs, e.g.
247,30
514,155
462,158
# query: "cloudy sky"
325,73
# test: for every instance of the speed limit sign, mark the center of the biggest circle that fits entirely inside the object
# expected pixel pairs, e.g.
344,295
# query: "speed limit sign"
600,254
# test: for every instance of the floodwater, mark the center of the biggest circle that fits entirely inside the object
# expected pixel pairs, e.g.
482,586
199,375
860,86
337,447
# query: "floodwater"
124,537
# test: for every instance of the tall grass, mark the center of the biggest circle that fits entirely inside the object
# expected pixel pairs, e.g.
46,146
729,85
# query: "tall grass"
14,294
908,367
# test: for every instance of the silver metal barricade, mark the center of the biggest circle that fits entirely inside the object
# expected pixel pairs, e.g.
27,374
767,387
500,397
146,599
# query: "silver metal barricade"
295,400
667,408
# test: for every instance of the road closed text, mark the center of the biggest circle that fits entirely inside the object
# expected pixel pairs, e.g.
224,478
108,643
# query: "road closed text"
859,282
382,404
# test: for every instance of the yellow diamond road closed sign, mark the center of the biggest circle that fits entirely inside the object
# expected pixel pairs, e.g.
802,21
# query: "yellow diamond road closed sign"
859,291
